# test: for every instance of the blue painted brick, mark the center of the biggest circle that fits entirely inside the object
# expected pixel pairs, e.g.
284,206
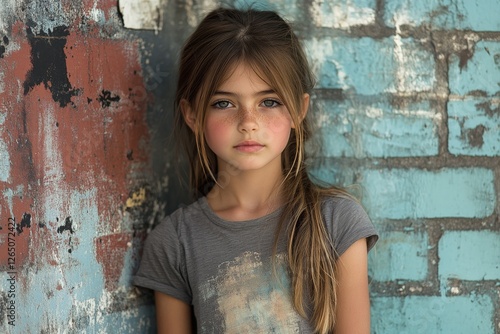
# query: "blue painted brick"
470,255
399,256
414,193
329,14
331,174
481,73
377,129
474,127
478,15
372,66
415,314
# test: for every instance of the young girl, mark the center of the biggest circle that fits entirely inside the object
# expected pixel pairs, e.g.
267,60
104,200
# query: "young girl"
263,249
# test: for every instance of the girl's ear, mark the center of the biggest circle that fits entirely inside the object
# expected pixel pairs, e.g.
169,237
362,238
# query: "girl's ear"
188,114
305,106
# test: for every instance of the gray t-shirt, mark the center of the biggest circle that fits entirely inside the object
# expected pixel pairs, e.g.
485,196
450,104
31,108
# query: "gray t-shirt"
224,269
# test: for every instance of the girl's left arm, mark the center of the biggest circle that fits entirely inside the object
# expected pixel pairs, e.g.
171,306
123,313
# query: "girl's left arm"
353,301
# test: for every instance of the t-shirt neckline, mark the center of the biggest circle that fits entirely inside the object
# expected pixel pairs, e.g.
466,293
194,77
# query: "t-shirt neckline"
240,224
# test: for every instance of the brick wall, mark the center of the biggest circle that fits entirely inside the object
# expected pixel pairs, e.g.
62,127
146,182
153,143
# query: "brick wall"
408,103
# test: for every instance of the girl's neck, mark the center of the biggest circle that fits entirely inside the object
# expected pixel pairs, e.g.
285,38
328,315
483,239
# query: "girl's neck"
244,195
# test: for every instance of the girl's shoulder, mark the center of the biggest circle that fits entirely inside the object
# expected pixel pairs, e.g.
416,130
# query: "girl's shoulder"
341,204
175,221
347,221
193,209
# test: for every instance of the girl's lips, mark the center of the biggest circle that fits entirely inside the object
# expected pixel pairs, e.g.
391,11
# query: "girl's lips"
249,146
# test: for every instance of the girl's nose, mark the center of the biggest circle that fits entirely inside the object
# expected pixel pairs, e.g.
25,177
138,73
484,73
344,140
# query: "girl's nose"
248,120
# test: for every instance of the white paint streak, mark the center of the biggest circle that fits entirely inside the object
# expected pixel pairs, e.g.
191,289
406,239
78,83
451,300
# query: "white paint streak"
195,11
320,52
400,18
4,151
4,162
374,112
52,160
2,84
97,14
49,15
419,114
341,16
402,68
145,14
8,9
412,64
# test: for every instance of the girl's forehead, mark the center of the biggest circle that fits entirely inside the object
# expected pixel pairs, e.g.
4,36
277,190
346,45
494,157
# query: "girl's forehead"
241,70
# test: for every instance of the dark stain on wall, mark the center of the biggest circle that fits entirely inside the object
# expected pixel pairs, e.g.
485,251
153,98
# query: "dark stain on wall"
49,64
106,98
25,222
488,108
496,58
465,56
475,136
5,42
68,226
25,149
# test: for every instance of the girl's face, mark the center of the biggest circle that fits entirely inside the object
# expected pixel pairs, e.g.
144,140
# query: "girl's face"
247,126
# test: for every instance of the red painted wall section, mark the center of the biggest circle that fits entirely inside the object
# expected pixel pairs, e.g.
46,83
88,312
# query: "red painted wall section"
73,127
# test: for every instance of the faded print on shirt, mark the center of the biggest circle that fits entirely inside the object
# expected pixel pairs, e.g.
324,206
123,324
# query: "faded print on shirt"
250,297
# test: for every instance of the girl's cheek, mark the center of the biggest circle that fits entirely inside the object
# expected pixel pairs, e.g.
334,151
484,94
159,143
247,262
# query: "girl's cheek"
279,122
216,128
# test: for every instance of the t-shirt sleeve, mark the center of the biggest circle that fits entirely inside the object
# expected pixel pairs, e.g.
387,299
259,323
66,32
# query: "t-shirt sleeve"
163,266
347,222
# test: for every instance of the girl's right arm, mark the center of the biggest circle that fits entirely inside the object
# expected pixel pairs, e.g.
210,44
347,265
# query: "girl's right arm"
173,316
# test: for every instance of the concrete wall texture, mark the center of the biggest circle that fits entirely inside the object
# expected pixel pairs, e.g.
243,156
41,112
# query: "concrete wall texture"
407,103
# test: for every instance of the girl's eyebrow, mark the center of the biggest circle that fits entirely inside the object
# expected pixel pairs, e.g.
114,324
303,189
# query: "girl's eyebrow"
263,92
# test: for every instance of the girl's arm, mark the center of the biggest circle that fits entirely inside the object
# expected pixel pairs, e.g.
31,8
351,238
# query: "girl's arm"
353,301
173,316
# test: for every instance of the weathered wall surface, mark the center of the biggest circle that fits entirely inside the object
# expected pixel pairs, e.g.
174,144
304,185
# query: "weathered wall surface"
407,103
76,172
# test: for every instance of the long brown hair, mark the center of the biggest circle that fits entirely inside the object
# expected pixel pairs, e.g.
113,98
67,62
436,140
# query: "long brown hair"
263,40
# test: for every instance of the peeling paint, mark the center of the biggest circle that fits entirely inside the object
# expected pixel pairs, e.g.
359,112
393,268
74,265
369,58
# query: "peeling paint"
146,14
490,108
350,13
467,51
136,199
4,161
49,64
475,136
73,142
24,223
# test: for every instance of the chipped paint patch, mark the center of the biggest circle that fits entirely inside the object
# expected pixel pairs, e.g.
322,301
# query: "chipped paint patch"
70,114
4,161
137,198
146,14
331,14
196,10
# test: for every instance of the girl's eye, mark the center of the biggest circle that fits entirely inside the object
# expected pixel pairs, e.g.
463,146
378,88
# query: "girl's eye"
270,103
222,104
